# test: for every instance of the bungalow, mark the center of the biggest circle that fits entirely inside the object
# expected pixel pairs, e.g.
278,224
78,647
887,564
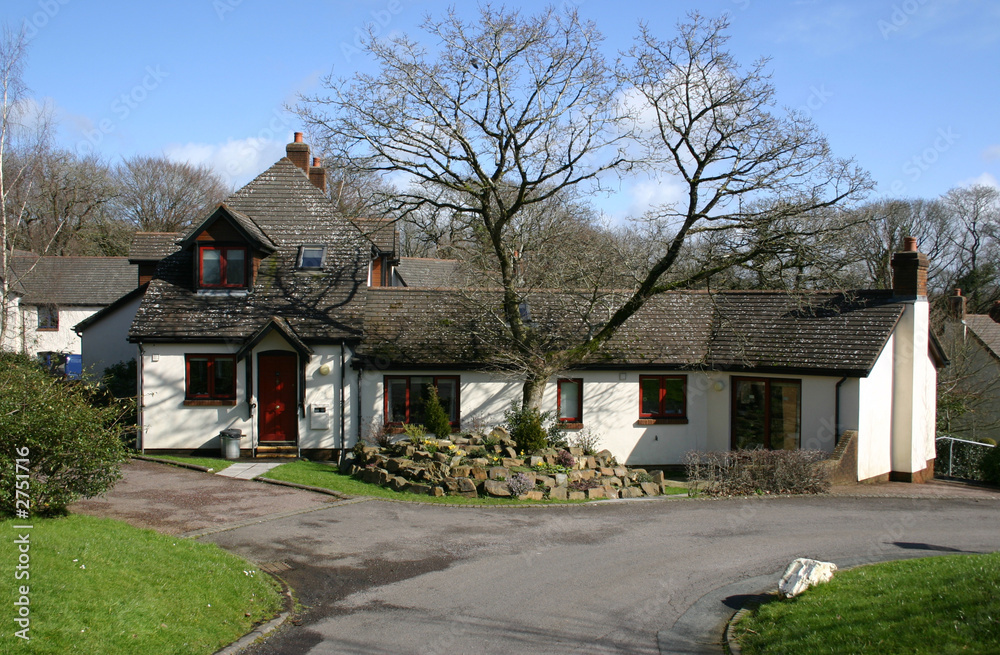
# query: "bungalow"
972,342
53,294
301,329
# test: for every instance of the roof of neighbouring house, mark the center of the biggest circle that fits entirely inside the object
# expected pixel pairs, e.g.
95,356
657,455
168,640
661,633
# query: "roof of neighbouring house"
766,331
428,273
153,246
110,309
288,211
85,281
986,330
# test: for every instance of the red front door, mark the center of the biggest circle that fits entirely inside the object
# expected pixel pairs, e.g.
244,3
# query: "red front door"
278,396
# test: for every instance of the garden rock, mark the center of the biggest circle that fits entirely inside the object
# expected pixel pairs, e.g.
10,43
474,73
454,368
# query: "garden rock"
499,472
577,495
558,493
534,494
496,488
650,488
804,573
467,487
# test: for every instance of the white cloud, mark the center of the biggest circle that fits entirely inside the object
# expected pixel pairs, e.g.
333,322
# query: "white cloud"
992,152
646,194
986,179
237,160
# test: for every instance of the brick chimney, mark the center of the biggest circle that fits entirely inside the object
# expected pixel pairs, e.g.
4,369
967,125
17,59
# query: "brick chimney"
909,272
298,152
956,305
317,174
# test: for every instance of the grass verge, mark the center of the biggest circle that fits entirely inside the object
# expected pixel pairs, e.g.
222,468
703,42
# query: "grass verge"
208,462
317,474
102,586
937,605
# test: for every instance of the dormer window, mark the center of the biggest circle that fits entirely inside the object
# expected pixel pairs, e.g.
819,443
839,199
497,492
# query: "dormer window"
222,267
312,257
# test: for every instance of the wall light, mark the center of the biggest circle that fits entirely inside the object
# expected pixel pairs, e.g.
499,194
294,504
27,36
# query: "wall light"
324,369
718,385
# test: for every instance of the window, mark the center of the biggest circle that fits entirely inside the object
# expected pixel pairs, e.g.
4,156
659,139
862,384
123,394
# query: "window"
312,256
766,413
222,266
405,397
48,317
210,377
569,398
662,398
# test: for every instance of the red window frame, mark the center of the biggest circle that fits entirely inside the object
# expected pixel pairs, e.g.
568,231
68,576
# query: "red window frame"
455,424
213,393
577,415
223,257
662,413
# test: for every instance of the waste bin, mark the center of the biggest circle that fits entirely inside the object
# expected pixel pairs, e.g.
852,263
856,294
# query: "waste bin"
231,443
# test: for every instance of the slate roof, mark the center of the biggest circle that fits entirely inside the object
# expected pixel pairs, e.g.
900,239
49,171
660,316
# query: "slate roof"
318,305
986,330
84,281
153,246
429,273
381,233
820,333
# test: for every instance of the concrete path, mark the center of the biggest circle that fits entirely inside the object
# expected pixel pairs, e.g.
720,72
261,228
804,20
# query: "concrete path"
176,500
247,470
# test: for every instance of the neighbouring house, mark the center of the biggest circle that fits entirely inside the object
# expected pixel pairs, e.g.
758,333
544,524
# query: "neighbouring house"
302,329
971,383
53,294
104,335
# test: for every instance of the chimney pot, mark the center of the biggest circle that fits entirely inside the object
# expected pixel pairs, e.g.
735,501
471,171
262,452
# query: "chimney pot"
317,174
910,244
298,153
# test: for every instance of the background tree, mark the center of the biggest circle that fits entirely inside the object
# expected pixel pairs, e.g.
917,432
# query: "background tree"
515,111
156,194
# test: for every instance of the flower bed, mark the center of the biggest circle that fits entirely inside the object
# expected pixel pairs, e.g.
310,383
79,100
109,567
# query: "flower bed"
490,465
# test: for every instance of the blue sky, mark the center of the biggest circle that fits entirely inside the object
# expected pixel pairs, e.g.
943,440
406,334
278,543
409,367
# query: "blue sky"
909,88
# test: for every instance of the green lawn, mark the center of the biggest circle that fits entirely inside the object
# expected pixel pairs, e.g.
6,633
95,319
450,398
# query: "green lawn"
936,605
102,586
213,463
317,474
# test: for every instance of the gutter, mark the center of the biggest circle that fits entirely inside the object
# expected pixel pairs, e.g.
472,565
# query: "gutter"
343,401
140,403
836,410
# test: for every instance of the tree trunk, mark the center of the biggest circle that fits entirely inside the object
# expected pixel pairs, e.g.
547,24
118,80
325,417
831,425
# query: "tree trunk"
533,389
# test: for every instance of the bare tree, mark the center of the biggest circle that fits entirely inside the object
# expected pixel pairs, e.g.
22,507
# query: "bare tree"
13,50
975,243
159,195
514,111
63,197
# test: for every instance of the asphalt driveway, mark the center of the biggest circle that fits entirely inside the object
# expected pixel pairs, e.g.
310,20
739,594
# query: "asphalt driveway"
653,576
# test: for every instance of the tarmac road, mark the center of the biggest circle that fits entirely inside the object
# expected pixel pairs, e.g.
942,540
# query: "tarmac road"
658,576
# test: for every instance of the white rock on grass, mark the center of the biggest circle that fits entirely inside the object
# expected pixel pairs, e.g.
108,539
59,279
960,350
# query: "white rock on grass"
804,573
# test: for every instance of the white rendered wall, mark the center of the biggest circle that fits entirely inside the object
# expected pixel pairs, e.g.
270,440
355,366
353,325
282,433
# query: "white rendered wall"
611,410
913,412
875,415
63,340
170,424
166,421
106,342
